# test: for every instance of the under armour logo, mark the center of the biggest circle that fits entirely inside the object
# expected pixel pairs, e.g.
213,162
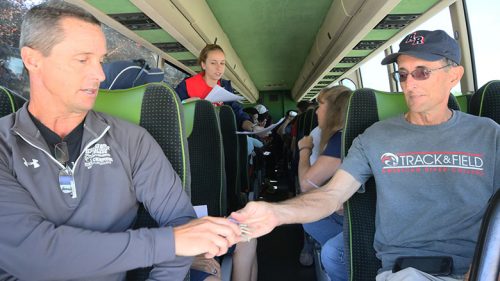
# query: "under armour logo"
414,39
33,162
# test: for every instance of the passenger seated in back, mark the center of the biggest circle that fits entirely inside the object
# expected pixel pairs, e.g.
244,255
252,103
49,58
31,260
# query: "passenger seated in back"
254,118
327,231
434,172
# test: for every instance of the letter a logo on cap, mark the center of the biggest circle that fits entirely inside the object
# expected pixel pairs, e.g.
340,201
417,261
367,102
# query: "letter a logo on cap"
414,39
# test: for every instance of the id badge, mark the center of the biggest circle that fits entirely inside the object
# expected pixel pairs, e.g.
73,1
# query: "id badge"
67,182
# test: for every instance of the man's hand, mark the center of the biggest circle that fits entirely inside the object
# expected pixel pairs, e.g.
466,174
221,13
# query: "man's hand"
208,235
260,218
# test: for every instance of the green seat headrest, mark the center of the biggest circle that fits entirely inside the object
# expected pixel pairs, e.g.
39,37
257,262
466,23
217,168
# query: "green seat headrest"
125,104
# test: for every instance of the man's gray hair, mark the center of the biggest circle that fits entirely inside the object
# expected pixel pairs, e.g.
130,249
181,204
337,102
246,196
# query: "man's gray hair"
41,28
449,62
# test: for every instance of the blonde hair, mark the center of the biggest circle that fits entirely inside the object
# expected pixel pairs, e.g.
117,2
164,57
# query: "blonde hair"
336,99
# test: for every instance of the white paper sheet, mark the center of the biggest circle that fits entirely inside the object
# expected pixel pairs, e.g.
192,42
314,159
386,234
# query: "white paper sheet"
219,94
201,210
268,129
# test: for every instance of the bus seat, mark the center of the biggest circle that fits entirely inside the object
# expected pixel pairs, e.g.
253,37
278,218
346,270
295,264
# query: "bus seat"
486,262
125,74
157,108
453,103
295,150
231,147
208,179
252,181
486,101
9,102
464,101
243,158
366,107
300,125
310,121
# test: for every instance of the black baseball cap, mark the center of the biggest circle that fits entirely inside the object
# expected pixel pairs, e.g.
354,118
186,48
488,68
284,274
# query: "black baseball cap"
427,45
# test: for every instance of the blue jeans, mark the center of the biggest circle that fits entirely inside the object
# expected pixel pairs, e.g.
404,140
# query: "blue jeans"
328,232
332,258
325,228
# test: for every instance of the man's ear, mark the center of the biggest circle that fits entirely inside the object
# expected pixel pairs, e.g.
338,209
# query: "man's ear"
456,75
31,58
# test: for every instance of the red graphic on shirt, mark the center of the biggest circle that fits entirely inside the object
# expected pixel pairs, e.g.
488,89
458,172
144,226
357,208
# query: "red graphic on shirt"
433,162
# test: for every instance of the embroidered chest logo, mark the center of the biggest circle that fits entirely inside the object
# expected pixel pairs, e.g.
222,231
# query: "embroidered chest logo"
97,155
34,163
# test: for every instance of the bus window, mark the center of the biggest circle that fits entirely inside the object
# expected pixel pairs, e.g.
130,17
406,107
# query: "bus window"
374,74
441,20
173,76
483,16
123,48
12,73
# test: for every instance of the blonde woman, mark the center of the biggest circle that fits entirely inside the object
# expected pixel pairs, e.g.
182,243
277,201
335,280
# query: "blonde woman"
328,231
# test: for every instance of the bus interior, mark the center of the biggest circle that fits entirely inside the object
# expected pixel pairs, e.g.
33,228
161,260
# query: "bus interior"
277,53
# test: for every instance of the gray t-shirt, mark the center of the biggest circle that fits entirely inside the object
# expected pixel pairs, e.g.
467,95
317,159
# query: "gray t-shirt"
433,184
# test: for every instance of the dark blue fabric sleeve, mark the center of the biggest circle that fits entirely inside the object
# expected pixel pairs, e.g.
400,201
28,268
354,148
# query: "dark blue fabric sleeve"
333,147
236,106
182,90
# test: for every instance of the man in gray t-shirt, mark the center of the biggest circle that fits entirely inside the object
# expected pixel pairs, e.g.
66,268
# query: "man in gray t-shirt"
434,171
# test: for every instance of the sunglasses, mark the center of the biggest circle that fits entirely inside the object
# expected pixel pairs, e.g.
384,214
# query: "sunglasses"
66,178
421,73
61,152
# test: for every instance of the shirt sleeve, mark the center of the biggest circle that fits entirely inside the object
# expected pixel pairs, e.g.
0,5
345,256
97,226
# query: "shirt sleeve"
333,146
28,240
356,162
160,189
181,90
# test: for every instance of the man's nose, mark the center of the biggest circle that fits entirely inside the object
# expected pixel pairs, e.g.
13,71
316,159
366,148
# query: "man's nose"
410,81
99,72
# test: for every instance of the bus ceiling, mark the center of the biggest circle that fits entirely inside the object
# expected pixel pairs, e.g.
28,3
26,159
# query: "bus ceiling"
295,46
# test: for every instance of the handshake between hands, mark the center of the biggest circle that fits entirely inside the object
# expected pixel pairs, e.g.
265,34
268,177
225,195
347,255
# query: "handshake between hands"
213,236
